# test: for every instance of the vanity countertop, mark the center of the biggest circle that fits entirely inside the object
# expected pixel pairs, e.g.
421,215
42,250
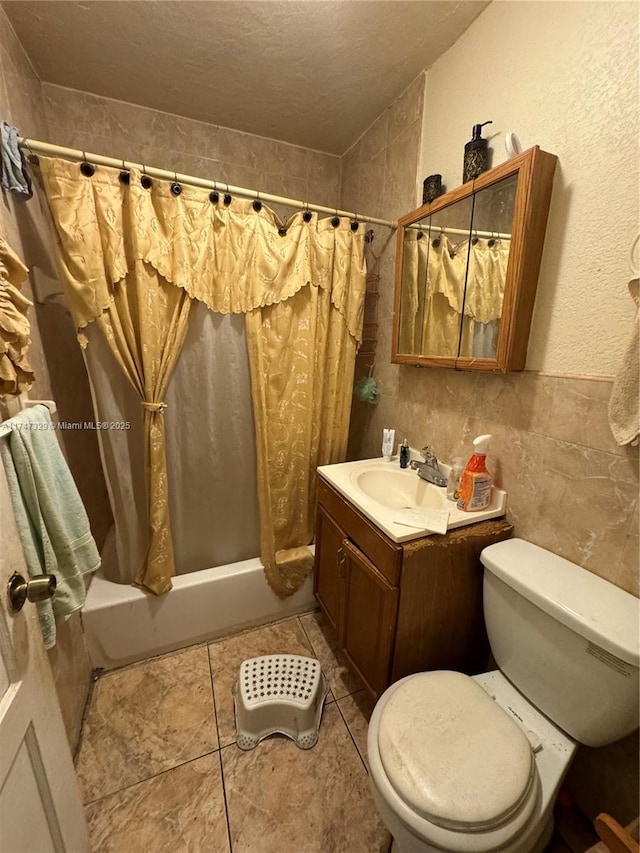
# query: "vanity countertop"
388,495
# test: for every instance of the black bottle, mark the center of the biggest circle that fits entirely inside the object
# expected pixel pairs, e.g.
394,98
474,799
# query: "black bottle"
404,454
476,154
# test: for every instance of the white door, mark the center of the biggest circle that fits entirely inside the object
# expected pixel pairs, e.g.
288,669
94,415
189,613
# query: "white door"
40,805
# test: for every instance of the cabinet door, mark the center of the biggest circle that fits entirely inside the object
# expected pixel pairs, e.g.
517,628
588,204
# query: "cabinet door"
368,624
328,581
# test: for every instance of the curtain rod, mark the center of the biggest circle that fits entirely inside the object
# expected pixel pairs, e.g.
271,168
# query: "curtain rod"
464,232
46,148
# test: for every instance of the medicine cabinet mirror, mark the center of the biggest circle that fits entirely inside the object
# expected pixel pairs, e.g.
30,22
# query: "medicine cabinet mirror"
467,269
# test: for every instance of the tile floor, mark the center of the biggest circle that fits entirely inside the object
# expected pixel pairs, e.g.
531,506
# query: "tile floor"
160,770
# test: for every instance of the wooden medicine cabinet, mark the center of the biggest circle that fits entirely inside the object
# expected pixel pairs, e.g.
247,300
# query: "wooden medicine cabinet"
467,269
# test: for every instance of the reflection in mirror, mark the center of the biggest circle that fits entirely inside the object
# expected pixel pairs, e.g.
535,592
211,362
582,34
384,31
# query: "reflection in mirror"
434,267
444,299
488,258
415,259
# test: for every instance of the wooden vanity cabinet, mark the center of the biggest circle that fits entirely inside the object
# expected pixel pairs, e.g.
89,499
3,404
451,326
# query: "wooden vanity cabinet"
401,608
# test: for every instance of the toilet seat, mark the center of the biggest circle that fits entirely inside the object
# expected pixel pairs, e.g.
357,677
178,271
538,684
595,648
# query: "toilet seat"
452,755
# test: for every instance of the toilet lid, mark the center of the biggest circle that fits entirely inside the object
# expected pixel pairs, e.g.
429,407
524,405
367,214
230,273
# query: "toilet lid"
452,754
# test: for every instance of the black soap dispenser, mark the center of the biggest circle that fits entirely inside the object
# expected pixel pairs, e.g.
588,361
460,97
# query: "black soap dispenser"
476,154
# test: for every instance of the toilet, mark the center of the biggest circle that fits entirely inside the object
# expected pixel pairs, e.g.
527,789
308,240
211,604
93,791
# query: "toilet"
474,764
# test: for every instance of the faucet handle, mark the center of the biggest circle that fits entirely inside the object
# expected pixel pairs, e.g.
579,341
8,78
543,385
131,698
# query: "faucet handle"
427,453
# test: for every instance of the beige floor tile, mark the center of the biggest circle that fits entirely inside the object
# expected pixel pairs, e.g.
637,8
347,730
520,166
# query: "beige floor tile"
356,710
146,719
325,646
180,810
282,799
227,655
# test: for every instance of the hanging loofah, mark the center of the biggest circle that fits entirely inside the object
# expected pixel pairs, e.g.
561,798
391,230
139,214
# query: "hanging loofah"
366,389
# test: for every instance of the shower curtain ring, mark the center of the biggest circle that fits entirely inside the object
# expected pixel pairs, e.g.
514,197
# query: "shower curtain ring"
306,215
33,158
176,188
125,175
257,204
85,167
227,196
145,180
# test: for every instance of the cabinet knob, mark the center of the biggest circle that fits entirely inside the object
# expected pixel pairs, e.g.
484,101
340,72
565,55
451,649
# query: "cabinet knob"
342,561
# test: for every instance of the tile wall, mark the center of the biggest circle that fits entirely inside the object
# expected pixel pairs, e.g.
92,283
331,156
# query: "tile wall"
118,129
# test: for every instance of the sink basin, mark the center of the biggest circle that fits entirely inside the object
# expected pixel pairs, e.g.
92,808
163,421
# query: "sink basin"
396,490
382,491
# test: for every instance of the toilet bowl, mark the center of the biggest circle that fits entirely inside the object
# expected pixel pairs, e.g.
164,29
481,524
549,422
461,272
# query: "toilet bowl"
472,764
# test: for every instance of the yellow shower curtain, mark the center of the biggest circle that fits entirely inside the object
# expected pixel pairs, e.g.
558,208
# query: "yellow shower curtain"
132,259
302,355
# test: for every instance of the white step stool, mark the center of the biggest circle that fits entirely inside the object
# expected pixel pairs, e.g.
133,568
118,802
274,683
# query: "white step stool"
279,693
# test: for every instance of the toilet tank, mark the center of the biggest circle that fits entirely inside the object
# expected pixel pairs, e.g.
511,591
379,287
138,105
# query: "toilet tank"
566,638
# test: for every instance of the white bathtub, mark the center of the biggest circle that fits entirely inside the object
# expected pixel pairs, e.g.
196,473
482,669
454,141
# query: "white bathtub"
122,624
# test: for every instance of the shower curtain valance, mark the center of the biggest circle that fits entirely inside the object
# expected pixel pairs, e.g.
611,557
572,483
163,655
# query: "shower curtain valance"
234,259
132,260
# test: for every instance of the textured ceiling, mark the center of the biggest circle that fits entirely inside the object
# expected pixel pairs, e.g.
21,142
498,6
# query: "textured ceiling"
310,72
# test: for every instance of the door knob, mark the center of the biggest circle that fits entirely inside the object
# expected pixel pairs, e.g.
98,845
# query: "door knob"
39,588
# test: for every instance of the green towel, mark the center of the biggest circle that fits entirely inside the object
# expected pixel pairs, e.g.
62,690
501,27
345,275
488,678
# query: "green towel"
51,518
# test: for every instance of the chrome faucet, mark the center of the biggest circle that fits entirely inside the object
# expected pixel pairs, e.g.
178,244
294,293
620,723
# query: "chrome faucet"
429,469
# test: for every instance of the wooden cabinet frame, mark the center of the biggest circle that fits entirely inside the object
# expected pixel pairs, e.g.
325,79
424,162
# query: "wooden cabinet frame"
535,169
